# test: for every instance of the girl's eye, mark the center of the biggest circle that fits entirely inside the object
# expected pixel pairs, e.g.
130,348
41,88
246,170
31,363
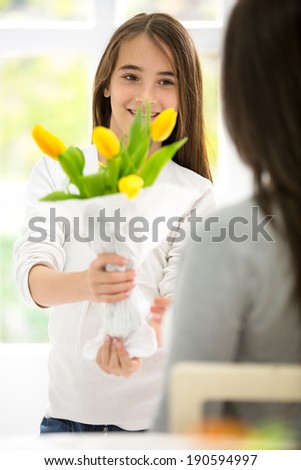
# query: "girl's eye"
130,77
166,82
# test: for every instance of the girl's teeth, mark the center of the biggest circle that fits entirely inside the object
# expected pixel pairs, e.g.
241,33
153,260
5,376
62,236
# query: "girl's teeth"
133,112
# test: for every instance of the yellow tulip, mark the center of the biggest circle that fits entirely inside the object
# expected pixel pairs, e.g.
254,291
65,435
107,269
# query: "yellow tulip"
48,143
106,141
163,125
130,185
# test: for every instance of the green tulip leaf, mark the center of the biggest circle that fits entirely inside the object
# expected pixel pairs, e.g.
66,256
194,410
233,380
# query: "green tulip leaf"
59,196
72,161
126,166
140,153
113,171
158,160
135,132
92,185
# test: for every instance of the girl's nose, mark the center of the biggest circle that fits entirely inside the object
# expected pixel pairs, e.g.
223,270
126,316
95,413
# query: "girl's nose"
145,95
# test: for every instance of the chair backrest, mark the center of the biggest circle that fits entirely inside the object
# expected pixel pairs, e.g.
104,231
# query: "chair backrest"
192,384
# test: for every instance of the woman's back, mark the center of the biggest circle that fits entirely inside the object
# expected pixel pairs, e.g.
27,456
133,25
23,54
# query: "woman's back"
234,303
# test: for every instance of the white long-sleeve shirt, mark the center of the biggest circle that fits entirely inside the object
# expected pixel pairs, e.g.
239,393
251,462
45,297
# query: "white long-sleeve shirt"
78,389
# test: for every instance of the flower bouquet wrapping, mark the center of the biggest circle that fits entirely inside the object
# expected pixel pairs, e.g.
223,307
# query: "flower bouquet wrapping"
123,208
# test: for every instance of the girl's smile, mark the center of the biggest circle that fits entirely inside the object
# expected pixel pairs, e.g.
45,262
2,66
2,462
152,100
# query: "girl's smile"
134,111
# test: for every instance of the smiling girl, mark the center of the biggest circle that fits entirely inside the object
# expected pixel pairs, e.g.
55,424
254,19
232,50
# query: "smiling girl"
150,58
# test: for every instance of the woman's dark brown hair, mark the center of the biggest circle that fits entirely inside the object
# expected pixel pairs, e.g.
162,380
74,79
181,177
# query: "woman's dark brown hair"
162,28
261,87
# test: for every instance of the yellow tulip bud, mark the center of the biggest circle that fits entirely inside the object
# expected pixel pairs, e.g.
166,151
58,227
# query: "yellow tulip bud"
48,143
163,125
130,185
106,141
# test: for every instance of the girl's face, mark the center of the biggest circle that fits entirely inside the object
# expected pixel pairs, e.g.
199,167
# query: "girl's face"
144,72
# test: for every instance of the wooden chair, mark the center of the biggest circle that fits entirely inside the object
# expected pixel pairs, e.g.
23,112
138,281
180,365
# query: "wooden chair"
192,384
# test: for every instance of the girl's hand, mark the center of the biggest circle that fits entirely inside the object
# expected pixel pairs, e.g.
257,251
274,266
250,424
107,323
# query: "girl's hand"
113,358
158,309
103,286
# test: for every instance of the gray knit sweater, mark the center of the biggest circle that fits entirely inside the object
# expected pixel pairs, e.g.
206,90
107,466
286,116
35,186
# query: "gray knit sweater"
234,302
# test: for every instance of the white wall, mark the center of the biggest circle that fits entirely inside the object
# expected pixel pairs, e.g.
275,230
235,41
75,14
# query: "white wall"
234,181
23,387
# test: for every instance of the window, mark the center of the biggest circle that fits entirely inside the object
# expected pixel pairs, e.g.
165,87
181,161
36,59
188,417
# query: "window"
48,54
20,11
46,63
183,10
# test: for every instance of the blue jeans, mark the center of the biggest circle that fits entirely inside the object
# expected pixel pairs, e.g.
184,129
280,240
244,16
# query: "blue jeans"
63,425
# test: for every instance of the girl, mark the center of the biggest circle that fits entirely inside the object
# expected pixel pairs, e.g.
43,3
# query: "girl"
149,58
240,299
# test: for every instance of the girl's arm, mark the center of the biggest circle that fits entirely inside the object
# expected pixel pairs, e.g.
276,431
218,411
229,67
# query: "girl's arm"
49,287
40,266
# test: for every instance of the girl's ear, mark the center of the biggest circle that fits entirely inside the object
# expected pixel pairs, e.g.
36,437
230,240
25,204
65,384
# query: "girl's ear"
107,92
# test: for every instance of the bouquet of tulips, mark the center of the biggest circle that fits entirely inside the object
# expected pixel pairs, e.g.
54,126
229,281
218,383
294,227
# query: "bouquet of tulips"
128,167
129,171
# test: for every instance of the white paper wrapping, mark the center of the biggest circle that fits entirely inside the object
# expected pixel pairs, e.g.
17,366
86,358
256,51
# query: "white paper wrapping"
131,228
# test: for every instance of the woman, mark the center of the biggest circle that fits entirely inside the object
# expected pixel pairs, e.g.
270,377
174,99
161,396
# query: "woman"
238,292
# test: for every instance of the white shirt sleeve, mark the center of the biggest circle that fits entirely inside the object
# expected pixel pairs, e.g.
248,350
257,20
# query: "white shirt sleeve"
202,207
41,241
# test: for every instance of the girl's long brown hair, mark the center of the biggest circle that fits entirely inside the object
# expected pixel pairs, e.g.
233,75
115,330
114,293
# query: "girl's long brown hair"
261,86
162,28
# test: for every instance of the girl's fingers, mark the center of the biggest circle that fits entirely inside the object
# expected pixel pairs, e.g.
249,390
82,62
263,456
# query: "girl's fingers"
155,317
115,288
159,307
124,359
103,277
114,364
158,310
113,358
104,286
162,302
111,298
118,276
110,258
128,364
101,291
104,353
